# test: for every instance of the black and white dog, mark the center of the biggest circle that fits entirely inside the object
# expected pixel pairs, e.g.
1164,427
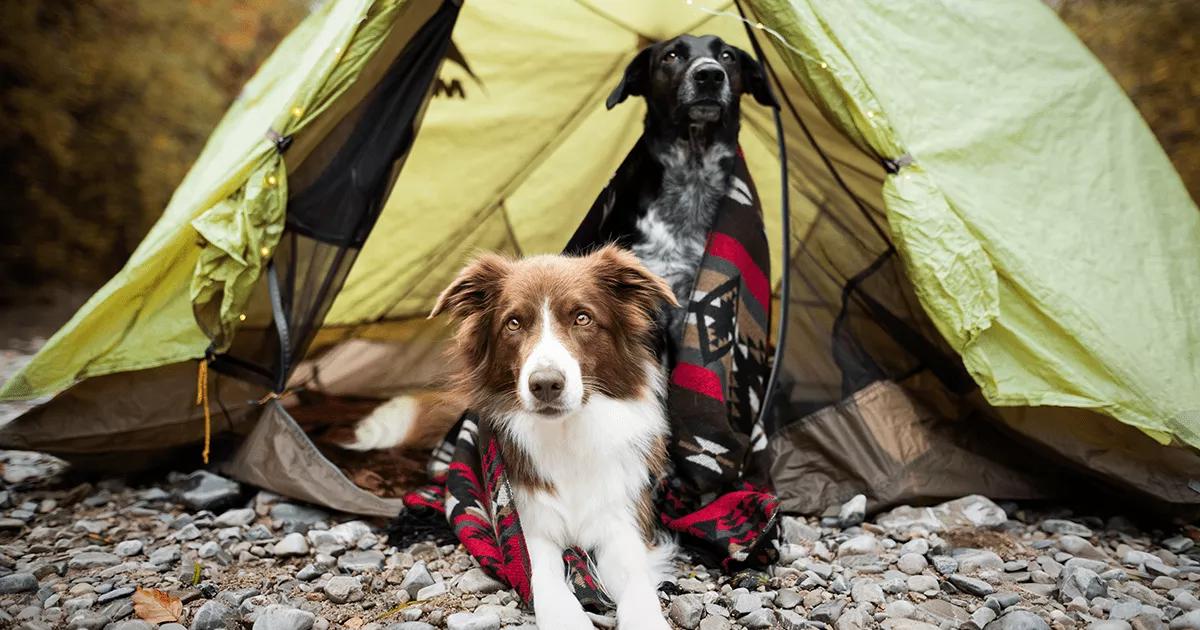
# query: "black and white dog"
692,87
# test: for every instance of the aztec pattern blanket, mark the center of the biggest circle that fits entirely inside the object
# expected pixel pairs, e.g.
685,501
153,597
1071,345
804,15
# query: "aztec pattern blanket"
716,495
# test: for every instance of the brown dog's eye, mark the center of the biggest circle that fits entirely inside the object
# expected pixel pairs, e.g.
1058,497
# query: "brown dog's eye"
583,319
726,56
512,324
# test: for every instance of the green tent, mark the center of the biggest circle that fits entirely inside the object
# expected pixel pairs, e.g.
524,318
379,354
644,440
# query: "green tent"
994,268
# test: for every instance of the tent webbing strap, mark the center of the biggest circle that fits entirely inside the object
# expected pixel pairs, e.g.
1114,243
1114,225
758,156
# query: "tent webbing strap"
785,227
281,328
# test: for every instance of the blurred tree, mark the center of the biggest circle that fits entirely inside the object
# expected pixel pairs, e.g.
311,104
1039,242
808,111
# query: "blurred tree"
1152,48
106,104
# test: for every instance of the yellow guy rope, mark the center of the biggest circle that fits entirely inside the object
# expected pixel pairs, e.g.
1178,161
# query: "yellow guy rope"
202,399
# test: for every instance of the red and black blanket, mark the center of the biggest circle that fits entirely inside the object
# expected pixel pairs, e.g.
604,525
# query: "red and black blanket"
716,495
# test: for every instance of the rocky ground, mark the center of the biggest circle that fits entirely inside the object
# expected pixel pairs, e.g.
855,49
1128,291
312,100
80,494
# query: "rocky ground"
219,555
72,557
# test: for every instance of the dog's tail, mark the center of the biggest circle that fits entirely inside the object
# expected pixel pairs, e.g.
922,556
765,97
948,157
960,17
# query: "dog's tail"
418,421
663,552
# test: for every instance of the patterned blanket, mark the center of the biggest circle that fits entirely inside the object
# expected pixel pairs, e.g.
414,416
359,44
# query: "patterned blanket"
716,495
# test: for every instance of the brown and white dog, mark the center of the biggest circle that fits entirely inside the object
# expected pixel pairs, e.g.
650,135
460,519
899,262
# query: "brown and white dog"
557,354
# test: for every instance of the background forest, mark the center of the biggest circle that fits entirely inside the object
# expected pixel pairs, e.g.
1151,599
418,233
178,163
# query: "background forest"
106,103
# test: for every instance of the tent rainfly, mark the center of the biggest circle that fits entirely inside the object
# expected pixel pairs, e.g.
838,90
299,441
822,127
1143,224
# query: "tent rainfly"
994,269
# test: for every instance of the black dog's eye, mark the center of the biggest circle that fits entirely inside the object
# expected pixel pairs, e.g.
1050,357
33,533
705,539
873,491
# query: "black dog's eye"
726,56
670,57
512,324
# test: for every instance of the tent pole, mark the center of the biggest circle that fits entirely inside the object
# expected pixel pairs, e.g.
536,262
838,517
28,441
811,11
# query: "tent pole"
785,228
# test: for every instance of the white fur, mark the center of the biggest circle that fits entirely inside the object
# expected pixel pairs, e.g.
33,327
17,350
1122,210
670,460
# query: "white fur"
550,353
387,425
595,457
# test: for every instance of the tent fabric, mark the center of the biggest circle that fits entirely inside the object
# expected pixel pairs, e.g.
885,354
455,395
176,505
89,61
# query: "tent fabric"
140,318
1012,248
975,207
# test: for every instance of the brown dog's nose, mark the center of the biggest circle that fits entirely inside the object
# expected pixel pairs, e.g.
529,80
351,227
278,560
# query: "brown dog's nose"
710,77
546,385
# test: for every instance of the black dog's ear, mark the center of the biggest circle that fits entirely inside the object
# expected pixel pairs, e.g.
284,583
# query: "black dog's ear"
633,83
754,80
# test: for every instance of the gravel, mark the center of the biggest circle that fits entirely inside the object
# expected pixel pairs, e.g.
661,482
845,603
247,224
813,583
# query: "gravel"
260,562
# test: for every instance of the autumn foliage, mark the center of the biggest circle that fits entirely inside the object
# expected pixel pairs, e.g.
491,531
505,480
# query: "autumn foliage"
106,103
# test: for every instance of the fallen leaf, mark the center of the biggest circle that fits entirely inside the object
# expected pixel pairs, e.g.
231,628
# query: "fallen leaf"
156,606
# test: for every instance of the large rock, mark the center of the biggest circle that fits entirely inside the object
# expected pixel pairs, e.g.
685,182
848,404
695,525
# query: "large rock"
276,617
233,518
128,548
1077,546
203,490
1077,581
293,544
973,586
686,611
473,581
18,583
1188,621
1062,526
341,589
863,544
796,531
829,611
976,560
87,620
912,563
761,618
473,621
853,511
296,518
969,511
359,561
907,624
214,615
417,578
1018,620
92,560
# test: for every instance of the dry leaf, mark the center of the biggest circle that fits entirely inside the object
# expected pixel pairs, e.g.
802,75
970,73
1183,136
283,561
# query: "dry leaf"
156,606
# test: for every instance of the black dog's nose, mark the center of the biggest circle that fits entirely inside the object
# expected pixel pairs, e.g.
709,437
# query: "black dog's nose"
546,385
709,77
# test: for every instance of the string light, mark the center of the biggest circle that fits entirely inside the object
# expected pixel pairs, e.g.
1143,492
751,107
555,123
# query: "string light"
762,27
242,317
297,111
265,251
271,180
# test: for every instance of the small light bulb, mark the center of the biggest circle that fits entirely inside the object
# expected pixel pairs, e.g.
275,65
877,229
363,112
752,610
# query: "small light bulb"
266,251
297,111
271,180
242,317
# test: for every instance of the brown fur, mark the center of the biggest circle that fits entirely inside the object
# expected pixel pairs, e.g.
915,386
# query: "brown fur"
618,294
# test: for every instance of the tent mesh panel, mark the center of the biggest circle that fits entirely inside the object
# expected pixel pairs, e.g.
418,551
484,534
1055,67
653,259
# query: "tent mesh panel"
329,218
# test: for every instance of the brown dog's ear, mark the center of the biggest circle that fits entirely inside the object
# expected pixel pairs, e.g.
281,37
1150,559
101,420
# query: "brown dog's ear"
623,274
634,81
754,80
474,287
